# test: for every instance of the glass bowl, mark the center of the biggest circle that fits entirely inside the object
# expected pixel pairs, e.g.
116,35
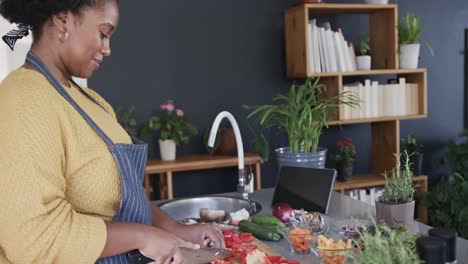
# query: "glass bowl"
299,237
332,247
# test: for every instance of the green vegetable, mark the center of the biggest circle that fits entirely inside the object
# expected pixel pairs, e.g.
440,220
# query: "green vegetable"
267,220
258,231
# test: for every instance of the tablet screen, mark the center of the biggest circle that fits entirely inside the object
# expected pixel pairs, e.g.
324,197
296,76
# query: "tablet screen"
307,188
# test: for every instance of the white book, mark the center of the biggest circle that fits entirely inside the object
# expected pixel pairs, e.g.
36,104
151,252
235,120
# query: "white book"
362,195
414,97
321,49
381,101
352,56
310,48
375,99
362,98
367,94
344,44
326,53
354,111
372,196
340,52
387,100
331,50
316,49
403,100
346,109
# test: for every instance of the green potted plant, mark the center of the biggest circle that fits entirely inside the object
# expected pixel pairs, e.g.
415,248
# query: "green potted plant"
126,120
302,114
345,159
174,128
447,200
364,59
409,36
414,148
383,245
396,205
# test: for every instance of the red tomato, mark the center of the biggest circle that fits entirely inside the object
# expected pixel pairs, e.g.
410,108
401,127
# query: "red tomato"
274,259
266,260
246,237
236,239
227,233
243,258
228,243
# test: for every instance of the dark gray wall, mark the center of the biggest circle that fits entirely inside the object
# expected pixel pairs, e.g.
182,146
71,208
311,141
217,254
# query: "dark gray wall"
215,55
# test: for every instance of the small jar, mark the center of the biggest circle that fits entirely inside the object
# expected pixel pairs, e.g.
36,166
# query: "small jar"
431,249
450,238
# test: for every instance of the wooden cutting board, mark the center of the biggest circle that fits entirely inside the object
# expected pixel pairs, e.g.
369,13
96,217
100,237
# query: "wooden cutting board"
261,246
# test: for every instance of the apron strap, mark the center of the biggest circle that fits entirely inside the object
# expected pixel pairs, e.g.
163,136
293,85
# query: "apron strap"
36,62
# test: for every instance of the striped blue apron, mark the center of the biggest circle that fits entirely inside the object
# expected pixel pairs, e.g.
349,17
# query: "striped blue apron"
130,159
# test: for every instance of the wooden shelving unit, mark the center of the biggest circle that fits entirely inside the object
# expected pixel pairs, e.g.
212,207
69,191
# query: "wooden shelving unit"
383,36
165,169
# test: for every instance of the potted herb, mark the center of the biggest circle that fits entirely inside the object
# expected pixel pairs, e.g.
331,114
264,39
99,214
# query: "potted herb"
396,205
383,245
125,118
447,200
409,32
345,159
302,114
364,60
174,128
414,148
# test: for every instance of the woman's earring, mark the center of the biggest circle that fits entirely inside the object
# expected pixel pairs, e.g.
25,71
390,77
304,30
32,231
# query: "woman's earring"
65,37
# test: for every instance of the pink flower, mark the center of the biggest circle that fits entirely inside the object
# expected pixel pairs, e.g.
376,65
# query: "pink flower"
180,112
170,107
163,106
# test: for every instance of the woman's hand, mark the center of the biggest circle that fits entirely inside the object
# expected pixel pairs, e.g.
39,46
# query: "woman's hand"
163,247
200,232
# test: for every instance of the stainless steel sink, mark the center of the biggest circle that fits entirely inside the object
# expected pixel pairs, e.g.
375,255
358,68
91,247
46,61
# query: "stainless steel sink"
190,207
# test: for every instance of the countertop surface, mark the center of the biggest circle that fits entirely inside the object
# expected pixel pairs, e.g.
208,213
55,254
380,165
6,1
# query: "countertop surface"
341,207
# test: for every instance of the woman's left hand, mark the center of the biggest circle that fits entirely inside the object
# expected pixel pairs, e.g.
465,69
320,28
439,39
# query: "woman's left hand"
200,232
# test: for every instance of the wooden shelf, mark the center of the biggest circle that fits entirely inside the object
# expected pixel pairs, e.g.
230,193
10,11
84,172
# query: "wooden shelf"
373,120
368,180
191,163
331,9
365,73
383,36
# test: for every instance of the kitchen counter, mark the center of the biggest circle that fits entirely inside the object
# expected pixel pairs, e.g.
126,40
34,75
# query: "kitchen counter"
341,206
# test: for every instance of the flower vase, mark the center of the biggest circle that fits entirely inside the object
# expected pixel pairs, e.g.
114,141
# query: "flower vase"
344,170
167,149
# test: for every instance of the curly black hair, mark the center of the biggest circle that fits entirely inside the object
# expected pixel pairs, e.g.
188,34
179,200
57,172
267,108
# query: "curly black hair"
35,13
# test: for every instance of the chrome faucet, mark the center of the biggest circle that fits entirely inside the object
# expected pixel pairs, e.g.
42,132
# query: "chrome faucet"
243,186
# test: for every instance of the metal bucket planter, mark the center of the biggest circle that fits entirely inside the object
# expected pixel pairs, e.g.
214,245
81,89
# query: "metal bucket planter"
395,214
285,157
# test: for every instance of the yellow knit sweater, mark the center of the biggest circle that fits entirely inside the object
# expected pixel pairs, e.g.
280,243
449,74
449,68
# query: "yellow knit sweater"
58,180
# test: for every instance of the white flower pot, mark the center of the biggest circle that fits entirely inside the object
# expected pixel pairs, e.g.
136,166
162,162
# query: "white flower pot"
167,149
409,56
376,1
364,63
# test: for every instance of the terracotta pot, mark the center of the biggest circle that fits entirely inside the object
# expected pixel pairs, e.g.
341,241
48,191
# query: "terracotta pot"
395,214
167,149
227,143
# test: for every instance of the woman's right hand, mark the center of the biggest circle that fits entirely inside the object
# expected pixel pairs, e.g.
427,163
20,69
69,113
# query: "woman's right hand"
163,247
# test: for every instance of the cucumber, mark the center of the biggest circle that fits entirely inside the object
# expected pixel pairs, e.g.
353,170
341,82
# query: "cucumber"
267,220
275,229
258,231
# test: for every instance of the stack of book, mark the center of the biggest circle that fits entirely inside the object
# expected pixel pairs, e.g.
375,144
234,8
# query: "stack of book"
368,195
378,100
328,50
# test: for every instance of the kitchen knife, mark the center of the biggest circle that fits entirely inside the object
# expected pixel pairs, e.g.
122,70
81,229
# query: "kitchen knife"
191,256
